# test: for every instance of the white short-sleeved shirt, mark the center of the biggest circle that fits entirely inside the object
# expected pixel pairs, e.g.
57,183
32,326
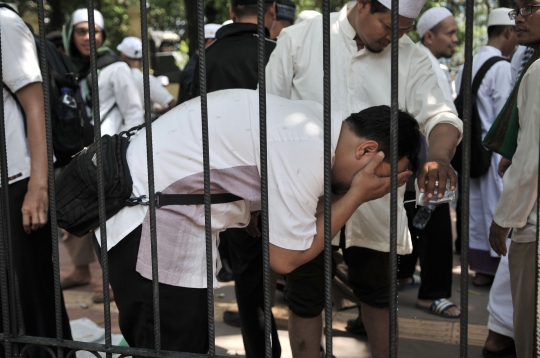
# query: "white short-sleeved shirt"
295,178
360,79
158,94
20,67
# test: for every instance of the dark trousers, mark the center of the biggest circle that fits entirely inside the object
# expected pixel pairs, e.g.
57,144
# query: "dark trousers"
32,260
433,245
183,312
247,267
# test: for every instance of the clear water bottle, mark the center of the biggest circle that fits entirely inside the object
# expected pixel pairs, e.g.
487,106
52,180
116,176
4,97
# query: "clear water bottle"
67,108
422,216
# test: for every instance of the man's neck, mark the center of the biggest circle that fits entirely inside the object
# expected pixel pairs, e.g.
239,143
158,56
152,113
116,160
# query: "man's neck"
351,16
431,51
247,20
498,43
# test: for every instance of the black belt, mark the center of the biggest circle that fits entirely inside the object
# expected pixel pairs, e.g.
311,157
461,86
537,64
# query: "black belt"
184,199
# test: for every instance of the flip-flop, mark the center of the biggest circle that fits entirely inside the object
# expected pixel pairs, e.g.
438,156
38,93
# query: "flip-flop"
439,308
416,281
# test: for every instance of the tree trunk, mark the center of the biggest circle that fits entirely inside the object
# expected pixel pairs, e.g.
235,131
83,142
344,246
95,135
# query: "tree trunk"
56,16
192,24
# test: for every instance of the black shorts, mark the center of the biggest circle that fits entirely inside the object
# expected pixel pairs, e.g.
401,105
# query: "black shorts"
368,275
304,288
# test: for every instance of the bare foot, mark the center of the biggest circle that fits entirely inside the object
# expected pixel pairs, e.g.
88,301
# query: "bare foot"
481,279
451,311
496,342
80,276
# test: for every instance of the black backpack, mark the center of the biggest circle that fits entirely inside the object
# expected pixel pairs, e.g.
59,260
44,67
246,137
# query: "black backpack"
480,156
71,131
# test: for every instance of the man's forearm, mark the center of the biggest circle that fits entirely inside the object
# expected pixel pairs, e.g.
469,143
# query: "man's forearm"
443,141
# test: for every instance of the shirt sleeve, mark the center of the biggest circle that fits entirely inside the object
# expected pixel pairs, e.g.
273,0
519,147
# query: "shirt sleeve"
20,62
424,98
295,182
520,182
280,67
126,96
159,94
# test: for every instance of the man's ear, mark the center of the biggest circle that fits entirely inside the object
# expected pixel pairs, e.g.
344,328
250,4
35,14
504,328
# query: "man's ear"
232,14
362,5
508,32
368,147
428,38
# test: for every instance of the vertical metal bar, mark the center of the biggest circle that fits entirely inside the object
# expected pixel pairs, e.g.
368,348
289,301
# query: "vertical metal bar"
537,271
264,178
52,194
465,179
206,161
393,181
4,220
150,165
327,181
101,192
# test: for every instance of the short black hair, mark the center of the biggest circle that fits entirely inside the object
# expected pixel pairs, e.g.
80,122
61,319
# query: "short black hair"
248,10
376,7
496,30
373,123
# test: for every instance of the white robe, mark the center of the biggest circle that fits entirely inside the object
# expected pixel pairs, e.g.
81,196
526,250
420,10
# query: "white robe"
501,311
486,190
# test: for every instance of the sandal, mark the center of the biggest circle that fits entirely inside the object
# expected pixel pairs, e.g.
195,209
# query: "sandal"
415,282
439,308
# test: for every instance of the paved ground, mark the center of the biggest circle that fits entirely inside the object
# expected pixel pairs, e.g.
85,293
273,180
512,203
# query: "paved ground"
420,334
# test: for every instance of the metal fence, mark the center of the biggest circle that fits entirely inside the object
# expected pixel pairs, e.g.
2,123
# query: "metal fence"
15,343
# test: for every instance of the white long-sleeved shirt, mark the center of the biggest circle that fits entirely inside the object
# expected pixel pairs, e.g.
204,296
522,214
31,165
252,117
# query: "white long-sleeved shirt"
359,79
158,94
120,106
517,206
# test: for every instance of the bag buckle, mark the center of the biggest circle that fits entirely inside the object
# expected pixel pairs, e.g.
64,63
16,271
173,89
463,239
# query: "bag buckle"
137,201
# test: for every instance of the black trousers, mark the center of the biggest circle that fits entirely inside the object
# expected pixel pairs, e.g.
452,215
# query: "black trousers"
32,260
247,267
433,246
183,313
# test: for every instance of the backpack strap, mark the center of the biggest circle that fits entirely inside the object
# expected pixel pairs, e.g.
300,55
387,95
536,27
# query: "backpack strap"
479,77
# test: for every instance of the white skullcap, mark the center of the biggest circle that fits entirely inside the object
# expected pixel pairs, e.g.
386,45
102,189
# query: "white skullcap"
306,15
131,47
164,80
407,8
431,18
81,15
210,30
500,17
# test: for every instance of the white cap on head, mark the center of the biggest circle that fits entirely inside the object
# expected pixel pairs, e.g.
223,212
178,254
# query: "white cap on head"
407,8
500,17
81,15
431,18
210,30
164,80
131,47
306,15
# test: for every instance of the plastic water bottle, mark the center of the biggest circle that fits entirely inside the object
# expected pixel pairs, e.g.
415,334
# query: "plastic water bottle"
67,108
422,216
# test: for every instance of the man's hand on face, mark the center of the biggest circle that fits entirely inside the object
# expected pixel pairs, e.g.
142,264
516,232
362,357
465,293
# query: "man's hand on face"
497,238
366,185
433,171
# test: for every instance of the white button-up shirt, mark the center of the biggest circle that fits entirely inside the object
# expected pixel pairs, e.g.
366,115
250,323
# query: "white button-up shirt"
445,82
517,206
359,79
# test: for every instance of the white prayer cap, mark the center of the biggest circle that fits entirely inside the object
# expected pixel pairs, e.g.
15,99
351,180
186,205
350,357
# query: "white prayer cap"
131,47
500,17
306,15
407,8
81,15
431,18
164,80
210,30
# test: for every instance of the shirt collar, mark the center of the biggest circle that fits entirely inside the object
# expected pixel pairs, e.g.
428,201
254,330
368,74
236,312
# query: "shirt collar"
345,25
492,49
428,51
